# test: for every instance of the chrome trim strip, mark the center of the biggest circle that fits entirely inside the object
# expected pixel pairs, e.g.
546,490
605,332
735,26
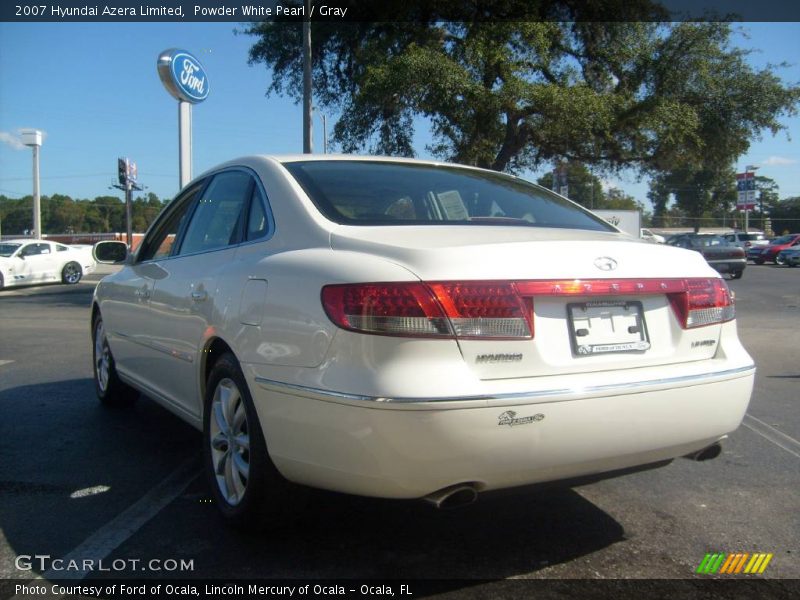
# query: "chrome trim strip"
685,380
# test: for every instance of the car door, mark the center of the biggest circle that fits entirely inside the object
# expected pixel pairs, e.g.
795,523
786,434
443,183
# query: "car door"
126,309
186,303
35,263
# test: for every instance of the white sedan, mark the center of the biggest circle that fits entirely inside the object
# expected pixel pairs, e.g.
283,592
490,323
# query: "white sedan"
27,262
409,329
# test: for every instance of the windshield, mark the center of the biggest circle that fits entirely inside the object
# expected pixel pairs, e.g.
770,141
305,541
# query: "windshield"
385,193
8,249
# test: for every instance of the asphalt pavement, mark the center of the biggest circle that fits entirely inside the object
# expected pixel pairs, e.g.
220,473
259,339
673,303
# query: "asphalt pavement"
79,480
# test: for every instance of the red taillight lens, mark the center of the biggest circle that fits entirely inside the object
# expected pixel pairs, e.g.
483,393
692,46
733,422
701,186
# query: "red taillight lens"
485,309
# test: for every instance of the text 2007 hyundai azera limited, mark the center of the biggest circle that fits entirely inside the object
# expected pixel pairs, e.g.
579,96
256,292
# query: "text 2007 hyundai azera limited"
408,329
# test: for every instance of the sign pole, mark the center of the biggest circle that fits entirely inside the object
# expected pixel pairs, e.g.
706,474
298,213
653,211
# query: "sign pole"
185,79
128,215
185,142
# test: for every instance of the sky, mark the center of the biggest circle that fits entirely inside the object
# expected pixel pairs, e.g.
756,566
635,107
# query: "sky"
94,91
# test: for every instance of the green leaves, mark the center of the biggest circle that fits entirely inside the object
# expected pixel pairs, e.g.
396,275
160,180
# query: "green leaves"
660,97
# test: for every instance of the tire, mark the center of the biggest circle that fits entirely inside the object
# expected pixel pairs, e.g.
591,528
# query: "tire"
779,260
71,273
246,486
758,261
2,282
737,274
110,389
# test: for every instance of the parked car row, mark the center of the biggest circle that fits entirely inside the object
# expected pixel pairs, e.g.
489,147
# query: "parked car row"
729,253
774,250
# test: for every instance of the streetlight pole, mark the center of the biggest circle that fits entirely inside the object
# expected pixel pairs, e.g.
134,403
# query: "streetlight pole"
33,138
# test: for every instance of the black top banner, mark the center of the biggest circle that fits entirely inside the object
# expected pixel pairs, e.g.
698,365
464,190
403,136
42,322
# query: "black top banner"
396,10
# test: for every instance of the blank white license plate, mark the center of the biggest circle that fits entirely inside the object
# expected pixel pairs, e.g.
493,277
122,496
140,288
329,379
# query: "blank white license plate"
606,326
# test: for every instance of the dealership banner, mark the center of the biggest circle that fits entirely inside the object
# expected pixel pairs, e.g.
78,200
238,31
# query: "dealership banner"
116,11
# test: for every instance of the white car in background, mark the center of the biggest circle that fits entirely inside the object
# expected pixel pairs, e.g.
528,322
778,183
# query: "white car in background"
27,262
408,329
649,236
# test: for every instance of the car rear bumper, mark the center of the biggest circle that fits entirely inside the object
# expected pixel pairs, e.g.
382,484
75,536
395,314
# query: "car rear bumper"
730,265
411,447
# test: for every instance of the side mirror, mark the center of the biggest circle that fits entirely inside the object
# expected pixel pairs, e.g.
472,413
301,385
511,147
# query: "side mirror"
110,253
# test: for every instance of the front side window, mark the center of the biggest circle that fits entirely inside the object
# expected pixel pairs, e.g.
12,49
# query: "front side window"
388,193
8,249
215,222
161,238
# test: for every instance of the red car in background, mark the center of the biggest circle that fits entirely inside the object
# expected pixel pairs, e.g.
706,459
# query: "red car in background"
770,252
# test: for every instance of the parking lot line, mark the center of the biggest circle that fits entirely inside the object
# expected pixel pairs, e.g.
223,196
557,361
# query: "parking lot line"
5,362
114,533
788,443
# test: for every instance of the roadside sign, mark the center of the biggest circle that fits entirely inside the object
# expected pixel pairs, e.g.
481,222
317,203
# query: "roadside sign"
746,191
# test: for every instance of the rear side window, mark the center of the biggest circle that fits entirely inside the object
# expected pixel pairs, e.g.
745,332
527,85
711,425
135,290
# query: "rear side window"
216,220
385,193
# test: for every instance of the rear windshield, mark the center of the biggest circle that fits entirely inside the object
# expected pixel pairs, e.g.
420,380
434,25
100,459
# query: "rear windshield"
380,193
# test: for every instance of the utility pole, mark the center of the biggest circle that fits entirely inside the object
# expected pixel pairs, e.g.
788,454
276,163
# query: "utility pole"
307,91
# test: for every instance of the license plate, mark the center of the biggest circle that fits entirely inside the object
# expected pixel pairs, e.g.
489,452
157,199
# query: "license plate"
607,326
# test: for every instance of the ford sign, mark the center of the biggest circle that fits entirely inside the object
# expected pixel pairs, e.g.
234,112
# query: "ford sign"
183,75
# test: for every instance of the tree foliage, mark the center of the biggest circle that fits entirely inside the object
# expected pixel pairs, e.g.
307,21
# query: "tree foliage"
62,214
586,189
556,84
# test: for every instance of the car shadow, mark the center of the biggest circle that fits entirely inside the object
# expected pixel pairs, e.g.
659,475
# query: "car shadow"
58,440
51,296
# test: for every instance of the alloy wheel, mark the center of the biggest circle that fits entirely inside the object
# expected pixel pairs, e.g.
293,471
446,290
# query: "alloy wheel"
230,441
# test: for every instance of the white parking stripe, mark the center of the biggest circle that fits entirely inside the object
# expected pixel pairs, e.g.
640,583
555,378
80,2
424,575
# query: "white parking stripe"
788,443
5,362
114,533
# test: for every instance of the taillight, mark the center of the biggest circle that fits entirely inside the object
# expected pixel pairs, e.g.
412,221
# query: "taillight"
388,308
705,302
464,310
503,309
485,309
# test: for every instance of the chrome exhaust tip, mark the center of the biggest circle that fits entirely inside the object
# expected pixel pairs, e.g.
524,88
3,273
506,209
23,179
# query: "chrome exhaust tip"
712,451
454,496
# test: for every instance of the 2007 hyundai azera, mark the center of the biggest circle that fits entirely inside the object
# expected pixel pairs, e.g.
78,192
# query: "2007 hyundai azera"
410,329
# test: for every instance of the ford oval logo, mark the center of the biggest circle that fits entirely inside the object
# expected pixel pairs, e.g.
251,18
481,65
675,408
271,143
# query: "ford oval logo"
605,263
183,75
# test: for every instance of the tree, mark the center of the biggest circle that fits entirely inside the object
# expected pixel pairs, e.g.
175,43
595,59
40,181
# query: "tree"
785,216
555,84
584,187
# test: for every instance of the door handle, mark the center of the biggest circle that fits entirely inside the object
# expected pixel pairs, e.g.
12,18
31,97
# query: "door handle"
199,296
